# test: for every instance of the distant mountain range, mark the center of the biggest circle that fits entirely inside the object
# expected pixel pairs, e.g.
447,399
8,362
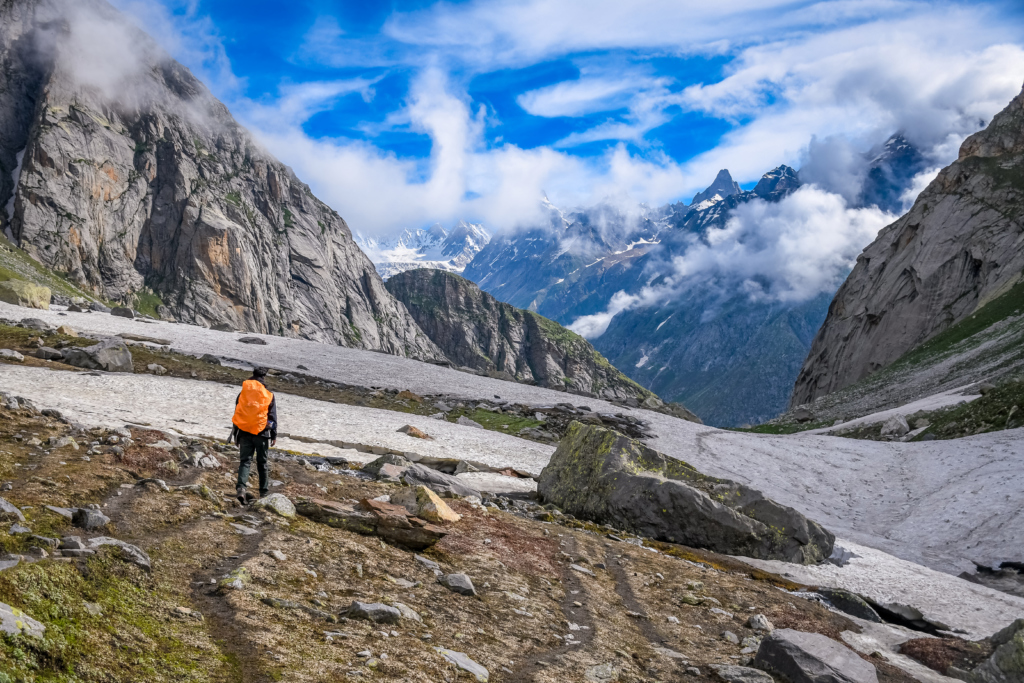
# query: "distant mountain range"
730,359
434,247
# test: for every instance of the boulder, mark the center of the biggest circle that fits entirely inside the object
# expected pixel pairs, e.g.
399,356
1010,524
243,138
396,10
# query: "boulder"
811,658
10,513
253,340
98,307
414,432
438,482
802,414
373,467
376,612
21,293
122,312
895,426
88,519
466,422
156,369
850,603
47,353
458,583
740,674
10,354
277,503
111,355
374,518
424,503
67,331
37,325
129,553
600,475
1006,665
465,663
14,622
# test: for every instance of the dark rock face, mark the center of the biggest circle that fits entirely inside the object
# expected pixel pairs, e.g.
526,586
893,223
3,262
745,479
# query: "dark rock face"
475,330
811,658
954,251
134,176
600,475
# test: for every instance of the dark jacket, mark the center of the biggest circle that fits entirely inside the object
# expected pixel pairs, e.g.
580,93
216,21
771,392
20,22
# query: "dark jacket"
271,431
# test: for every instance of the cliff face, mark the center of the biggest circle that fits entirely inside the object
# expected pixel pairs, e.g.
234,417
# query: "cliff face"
133,178
475,330
958,248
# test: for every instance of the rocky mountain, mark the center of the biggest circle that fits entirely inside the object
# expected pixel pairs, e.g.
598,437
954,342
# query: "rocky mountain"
723,186
891,167
955,251
121,170
434,247
476,331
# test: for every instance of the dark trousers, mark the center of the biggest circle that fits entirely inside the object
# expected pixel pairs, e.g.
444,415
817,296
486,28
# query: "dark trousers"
248,445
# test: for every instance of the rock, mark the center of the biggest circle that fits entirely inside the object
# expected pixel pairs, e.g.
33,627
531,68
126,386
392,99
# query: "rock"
582,570
376,612
759,624
129,553
802,414
21,293
252,340
111,355
458,583
72,543
391,473
277,555
67,513
409,396
465,663
391,522
1006,665
14,622
9,513
67,331
811,658
600,475
851,603
741,674
122,312
422,502
143,338
210,358
438,482
277,503
156,369
984,388
98,307
242,530
730,637
407,612
464,467
466,422
87,519
37,324
10,354
18,529
45,540
428,563
414,432
62,442
895,426
373,467
237,579
601,673
202,490
47,353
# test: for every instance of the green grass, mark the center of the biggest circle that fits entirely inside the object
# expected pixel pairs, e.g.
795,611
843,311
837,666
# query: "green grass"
148,303
289,220
497,422
1001,408
234,197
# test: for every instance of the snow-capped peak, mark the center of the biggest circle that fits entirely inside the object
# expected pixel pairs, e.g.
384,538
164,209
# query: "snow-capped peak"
434,247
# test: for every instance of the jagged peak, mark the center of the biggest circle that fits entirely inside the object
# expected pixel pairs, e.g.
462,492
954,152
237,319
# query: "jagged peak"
723,186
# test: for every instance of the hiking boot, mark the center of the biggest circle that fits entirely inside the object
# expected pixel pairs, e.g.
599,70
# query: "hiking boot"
249,498
240,495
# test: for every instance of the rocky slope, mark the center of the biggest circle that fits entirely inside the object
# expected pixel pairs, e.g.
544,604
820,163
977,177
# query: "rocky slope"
477,331
954,251
137,183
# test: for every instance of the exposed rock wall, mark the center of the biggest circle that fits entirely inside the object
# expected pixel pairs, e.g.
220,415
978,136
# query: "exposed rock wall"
958,248
475,330
134,178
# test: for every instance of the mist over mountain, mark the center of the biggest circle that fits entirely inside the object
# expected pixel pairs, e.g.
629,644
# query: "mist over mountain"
434,247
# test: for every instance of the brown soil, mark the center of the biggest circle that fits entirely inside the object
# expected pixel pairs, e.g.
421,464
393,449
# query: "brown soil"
941,653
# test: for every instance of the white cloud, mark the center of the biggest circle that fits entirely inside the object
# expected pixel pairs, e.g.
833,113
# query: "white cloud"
788,251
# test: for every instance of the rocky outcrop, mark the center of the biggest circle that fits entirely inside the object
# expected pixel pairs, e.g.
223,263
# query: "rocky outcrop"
393,523
111,355
1006,665
812,658
133,178
600,475
954,251
477,331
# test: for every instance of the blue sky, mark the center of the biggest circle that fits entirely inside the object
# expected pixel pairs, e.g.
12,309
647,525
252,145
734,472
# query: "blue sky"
401,114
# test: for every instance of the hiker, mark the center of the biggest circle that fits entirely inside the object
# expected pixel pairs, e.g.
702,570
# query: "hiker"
254,430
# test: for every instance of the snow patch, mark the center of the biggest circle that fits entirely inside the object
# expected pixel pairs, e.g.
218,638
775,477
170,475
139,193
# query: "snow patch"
640,363
663,322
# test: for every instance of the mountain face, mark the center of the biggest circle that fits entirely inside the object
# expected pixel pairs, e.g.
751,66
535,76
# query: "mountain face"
890,171
431,248
477,331
957,249
724,186
120,169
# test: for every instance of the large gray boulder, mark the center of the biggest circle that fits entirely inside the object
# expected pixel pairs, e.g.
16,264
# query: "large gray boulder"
1006,665
111,355
14,622
601,475
801,657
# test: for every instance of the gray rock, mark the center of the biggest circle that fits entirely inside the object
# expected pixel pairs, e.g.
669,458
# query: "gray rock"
428,563
741,674
600,475
45,540
67,513
111,355
253,340
811,658
759,623
98,307
601,673
72,543
277,503
730,637
10,354
466,422
10,513
376,612
895,426
129,553
851,603
1006,665
465,663
46,353
14,622
18,529
477,331
122,312
953,251
156,369
458,583
37,324
438,482
373,467
87,519
407,612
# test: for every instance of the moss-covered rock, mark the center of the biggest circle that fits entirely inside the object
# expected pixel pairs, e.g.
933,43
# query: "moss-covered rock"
21,293
601,475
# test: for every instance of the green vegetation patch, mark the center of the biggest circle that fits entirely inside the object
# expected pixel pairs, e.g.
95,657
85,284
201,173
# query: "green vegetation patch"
106,620
496,422
1001,408
147,303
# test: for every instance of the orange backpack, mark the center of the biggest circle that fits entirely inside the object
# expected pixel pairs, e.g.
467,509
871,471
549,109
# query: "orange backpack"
251,411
